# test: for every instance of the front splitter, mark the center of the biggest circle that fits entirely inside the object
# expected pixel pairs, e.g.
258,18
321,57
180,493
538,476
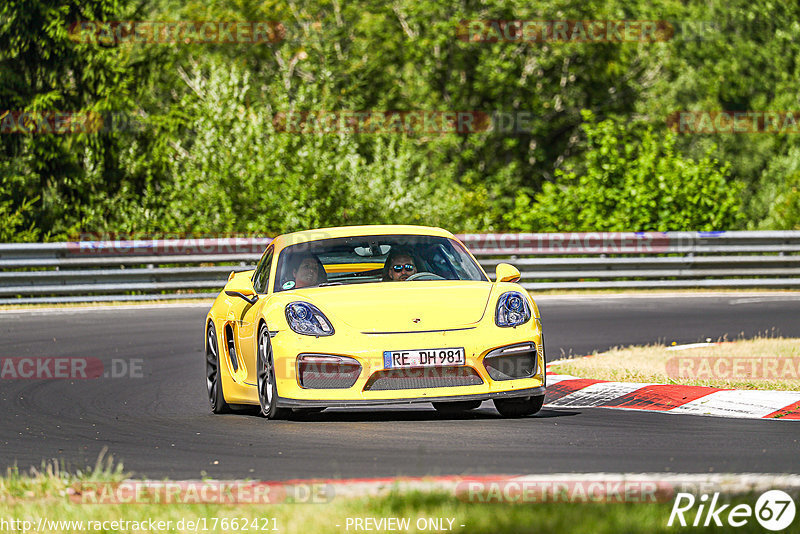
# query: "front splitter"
303,403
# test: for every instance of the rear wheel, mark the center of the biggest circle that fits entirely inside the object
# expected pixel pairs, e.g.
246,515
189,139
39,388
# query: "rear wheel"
213,377
519,407
267,387
456,406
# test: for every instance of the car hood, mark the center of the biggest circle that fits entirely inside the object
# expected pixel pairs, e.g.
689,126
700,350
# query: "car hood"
403,306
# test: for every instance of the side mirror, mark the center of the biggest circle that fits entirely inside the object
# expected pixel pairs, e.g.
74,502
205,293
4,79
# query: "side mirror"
241,287
507,273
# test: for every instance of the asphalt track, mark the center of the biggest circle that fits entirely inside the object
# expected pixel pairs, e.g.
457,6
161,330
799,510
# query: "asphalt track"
160,426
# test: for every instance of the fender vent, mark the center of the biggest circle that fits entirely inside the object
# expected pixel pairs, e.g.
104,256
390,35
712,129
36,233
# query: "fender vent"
231,348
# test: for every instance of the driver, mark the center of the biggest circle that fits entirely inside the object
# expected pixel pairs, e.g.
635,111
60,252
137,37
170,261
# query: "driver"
308,271
399,266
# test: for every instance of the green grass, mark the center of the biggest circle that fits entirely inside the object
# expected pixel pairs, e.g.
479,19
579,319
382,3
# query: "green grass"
697,366
47,493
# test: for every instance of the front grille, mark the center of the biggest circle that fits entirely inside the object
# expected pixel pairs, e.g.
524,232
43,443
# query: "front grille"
511,363
422,377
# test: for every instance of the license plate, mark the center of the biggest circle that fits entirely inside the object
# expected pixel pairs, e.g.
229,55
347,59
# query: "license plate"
399,359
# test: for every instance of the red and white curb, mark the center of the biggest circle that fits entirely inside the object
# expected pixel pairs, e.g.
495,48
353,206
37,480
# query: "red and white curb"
565,391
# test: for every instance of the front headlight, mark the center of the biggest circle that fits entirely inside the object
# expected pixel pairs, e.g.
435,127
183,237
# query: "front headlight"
306,319
512,309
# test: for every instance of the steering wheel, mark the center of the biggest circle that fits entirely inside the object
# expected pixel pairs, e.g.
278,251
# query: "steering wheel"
423,275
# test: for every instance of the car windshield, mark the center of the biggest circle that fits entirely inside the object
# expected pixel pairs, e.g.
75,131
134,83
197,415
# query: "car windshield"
381,258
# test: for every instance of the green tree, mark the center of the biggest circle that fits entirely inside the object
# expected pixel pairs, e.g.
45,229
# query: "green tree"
737,55
777,201
234,172
208,158
632,178
46,69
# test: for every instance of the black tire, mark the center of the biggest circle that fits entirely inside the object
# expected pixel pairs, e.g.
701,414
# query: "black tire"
267,386
216,397
544,363
519,407
455,407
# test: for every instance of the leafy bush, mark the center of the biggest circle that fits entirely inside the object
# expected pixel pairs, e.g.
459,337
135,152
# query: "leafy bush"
631,178
234,172
209,159
776,201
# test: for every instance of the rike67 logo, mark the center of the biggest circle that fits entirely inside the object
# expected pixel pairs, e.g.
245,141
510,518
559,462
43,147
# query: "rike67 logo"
774,510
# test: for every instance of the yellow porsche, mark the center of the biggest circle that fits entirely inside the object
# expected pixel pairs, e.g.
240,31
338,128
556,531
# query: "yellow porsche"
370,315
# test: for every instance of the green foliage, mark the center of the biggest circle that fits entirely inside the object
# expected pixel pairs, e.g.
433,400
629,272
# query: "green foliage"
44,70
208,158
632,179
12,222
15,215
743,55
237,173
779,195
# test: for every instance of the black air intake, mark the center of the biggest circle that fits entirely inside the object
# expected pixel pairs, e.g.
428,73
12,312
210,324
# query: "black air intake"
512,362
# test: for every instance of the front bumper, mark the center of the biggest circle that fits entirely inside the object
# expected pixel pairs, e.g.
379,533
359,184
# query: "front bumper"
514,393
368,349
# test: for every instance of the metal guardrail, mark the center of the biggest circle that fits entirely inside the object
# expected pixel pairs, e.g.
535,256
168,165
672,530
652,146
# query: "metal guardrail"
197,268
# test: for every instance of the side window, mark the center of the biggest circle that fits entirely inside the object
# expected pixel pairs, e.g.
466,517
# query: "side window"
261,276
456,263
441,263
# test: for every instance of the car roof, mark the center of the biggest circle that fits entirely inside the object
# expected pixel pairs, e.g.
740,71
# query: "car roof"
347,231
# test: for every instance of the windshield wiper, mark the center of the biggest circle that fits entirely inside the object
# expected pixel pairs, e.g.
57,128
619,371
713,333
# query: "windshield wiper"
331,284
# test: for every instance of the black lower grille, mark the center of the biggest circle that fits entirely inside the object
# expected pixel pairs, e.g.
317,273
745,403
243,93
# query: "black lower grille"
511,364
328,375
422,377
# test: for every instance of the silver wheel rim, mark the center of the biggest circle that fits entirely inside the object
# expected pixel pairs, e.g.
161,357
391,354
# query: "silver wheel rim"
264,371
211,367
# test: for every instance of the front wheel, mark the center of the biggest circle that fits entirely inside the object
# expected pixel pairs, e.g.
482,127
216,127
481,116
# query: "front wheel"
519,407
267,387
213,373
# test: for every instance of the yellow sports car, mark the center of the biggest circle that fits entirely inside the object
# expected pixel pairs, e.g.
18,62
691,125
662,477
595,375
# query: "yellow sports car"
368,315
